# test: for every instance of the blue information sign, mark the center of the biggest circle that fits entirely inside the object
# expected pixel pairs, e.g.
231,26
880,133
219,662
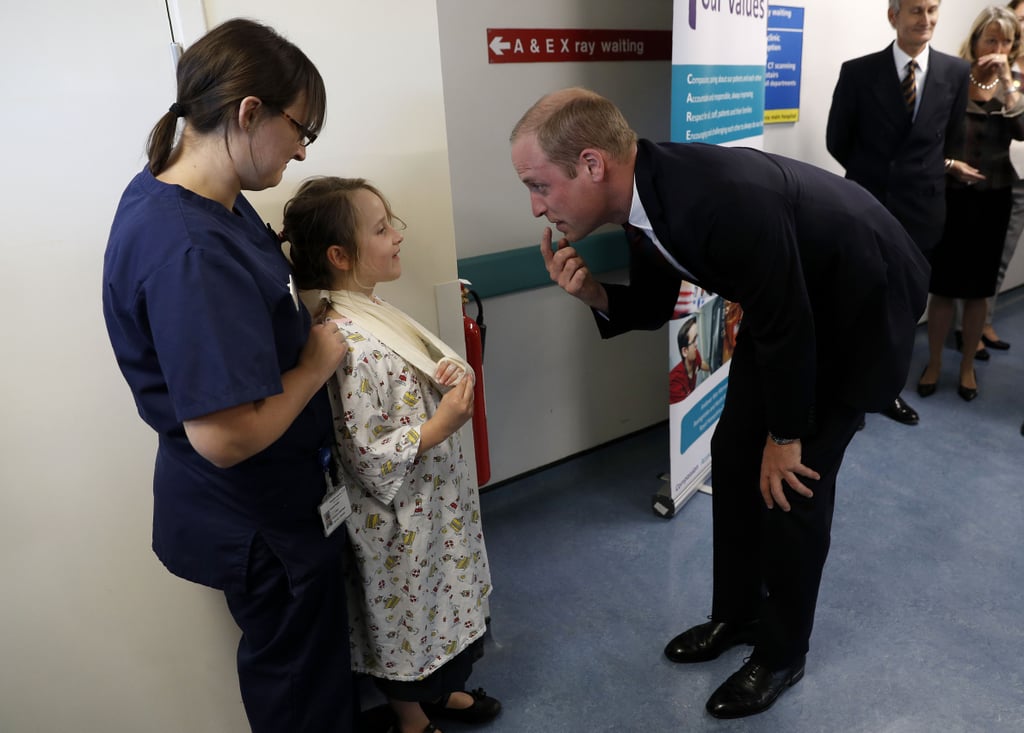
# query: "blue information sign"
782,70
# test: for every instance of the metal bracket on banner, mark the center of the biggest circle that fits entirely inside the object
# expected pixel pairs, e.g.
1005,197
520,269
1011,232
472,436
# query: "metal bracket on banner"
663,503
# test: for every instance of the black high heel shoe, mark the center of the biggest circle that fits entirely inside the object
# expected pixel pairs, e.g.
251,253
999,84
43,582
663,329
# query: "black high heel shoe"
998,344
968,393
926,390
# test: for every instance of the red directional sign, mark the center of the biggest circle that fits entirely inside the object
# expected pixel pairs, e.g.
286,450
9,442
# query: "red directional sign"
534,45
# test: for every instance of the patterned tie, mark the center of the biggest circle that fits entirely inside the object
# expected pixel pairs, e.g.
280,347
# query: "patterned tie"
640,245
909,87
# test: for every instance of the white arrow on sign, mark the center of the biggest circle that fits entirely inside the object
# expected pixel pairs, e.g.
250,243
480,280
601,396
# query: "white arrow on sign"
499,47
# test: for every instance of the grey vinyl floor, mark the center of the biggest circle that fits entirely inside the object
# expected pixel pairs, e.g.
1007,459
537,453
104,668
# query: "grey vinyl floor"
920,621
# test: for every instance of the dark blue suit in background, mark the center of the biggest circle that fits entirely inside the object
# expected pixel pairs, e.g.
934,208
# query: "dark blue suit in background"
899,160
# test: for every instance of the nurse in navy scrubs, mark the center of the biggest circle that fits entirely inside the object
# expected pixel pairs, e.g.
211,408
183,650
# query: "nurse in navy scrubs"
226,366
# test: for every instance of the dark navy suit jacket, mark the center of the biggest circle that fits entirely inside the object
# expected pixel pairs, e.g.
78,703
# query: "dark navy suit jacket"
830,283
900,162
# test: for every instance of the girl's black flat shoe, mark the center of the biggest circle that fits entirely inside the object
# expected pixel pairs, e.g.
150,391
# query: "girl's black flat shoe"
484,708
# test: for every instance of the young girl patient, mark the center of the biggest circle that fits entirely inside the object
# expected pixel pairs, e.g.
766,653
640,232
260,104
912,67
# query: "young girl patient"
417,591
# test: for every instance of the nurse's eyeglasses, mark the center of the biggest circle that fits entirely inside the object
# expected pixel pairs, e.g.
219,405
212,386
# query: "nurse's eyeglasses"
306,136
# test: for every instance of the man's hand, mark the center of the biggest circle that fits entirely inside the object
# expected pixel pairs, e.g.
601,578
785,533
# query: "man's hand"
570,272
965,173
782,463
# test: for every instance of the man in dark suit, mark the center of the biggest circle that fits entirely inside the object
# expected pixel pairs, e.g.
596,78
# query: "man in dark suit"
898,131
831,288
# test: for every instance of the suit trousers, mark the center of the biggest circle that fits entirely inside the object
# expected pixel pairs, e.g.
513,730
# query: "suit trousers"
294,667
767,562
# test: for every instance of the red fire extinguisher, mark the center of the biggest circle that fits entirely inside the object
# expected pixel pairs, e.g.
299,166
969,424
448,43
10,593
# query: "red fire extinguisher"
475,333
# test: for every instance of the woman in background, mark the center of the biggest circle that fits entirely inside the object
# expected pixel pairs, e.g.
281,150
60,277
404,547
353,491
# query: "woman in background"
966,262
225,366
989,336
418,588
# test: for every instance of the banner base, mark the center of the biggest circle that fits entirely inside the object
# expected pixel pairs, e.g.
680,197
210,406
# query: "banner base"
665,505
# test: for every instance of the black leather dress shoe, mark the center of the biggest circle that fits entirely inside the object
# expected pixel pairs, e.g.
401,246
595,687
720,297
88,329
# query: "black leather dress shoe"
705,642
997,344
901,412
752,689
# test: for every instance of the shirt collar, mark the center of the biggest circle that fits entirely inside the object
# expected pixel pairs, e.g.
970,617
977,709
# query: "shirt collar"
902,58
637,214
638,217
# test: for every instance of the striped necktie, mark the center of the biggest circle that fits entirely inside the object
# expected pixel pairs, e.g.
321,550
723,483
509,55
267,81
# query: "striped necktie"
640,245
909,87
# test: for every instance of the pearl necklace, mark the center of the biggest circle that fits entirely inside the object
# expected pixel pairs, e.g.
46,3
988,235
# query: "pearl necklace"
986,87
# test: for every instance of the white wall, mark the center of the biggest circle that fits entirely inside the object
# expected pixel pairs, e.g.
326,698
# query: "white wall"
553,387
94,634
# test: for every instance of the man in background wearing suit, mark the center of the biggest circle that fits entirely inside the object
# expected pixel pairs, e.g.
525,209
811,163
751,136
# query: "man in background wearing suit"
831,288
898,129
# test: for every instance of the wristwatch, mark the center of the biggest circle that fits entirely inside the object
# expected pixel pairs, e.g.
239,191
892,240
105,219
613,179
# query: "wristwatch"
781,441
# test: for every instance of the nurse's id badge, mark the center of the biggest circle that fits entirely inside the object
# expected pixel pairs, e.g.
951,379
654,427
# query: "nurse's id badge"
335,508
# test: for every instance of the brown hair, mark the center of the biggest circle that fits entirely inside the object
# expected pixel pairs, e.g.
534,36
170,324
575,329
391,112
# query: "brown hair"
567,121
321,215
237,59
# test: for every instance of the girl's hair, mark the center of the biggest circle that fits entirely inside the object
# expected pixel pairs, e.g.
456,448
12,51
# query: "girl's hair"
321,215
1006,21
235,60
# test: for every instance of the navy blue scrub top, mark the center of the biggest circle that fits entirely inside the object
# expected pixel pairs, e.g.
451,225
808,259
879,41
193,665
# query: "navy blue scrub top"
201,318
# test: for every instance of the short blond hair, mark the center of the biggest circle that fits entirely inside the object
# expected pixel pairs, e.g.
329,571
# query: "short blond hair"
569,120
1007,23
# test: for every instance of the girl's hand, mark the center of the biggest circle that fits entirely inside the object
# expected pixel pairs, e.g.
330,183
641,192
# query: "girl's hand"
449,372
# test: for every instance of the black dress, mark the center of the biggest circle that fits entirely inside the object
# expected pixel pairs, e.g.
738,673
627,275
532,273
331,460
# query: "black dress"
965,264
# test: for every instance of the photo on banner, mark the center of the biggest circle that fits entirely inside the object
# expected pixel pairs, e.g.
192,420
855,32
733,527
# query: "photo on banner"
719,49
702,337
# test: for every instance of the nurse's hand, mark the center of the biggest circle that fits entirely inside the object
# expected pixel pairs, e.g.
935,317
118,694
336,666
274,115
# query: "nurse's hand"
324,350
228,437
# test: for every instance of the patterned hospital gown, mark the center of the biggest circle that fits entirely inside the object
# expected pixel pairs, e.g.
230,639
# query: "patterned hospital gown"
416,593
